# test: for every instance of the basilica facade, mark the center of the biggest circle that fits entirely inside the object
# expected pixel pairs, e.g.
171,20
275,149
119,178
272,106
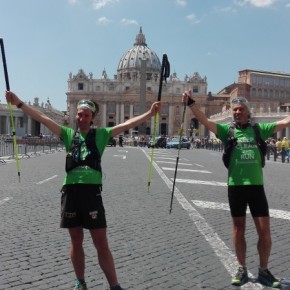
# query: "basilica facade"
135,87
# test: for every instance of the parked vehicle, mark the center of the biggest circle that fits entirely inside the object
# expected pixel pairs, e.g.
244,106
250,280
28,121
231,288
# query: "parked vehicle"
160,142
174,143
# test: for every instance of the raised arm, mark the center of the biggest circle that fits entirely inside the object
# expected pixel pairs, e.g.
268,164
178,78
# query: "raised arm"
133,122
280,125
34,114
199,115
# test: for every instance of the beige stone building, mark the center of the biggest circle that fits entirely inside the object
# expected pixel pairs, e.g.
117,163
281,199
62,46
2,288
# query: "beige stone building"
25,125
135,87
267,92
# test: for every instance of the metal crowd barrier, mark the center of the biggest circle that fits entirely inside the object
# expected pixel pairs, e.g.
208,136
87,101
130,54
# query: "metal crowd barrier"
28,147
284,154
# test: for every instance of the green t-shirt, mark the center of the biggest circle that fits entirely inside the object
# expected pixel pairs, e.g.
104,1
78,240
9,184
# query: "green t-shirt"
245,166
85,174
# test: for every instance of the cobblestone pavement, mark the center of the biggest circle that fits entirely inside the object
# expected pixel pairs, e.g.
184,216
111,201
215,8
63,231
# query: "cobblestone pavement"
189,248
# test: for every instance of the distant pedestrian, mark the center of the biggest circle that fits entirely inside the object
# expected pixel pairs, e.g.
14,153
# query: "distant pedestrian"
285,143
279,146
121,141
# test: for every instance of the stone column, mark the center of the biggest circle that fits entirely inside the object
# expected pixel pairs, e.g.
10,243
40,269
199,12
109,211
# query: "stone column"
8,125
288,133
171,119
131,111
104,115
117,113
131,116
122,113
29,125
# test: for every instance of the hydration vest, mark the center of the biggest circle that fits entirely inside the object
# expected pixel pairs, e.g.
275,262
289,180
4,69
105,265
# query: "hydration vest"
93,159
232,142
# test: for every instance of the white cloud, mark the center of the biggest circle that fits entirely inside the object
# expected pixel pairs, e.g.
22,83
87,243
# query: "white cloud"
288,5
192,18
73,2
228,9
181,3
129,21
256,3
99,4
103,21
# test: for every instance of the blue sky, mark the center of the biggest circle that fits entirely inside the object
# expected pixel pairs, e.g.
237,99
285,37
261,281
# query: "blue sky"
45,40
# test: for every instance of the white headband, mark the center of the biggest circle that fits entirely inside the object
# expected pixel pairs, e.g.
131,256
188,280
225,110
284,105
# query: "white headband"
87,104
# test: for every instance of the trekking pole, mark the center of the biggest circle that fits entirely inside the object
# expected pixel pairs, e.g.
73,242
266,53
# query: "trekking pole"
164,74
10,108
178,152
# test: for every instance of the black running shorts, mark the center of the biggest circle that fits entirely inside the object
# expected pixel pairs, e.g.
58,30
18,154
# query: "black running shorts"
242,196
82,206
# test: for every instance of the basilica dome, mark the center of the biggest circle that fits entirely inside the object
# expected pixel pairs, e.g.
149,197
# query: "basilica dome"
130,63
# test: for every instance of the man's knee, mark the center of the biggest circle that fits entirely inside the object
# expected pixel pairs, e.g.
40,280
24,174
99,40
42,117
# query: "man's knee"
77,236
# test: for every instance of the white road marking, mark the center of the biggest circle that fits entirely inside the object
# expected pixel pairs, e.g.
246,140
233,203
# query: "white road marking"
168,158
47,179
186,170
198,165
123,151
274,213
170,162
194,181
2,201
226,256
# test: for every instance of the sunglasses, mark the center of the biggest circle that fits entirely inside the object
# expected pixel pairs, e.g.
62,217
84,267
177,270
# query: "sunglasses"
239,100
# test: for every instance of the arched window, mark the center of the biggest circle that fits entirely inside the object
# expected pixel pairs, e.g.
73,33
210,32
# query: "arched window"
111,108
271,95
254,92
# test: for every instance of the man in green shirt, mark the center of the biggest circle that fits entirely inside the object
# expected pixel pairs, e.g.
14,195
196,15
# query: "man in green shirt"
81,201
245,183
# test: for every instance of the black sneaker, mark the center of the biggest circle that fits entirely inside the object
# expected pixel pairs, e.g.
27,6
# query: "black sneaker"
80,286
117,287
265,277
241,277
